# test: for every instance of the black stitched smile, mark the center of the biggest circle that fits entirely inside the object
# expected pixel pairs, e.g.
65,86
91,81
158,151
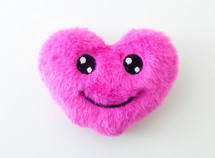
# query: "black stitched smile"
107,106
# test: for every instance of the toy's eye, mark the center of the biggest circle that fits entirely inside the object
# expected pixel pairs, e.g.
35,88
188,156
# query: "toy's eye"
86,64
133,64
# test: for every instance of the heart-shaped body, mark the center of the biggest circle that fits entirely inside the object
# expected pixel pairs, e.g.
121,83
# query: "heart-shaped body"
108,87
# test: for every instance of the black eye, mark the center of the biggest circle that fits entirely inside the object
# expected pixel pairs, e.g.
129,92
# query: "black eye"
86,64
133,64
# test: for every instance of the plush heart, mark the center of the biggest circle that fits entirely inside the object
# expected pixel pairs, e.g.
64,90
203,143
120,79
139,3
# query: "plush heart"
108,87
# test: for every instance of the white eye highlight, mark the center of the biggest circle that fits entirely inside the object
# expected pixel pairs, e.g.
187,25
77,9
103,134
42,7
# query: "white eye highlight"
137,69
83,60
128,61
89,69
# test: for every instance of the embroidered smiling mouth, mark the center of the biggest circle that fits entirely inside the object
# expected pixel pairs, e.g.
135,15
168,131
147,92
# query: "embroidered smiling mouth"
107,106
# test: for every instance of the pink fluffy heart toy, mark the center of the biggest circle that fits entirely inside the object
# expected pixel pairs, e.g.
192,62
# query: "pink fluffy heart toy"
108,87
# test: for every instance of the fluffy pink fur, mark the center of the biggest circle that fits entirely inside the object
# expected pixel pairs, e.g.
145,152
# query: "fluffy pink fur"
109,83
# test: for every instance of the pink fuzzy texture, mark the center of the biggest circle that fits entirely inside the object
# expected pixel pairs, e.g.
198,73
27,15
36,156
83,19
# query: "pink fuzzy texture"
109,83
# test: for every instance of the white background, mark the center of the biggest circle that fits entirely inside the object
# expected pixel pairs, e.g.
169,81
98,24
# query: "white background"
32,125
